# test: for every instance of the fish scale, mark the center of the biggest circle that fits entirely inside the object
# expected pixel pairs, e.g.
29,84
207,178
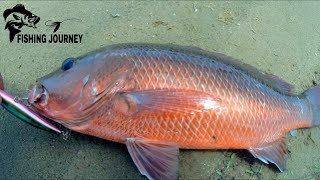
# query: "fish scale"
159,98
218,83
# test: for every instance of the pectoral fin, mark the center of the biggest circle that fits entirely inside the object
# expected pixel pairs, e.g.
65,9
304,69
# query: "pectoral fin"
275,153
169,101
154,159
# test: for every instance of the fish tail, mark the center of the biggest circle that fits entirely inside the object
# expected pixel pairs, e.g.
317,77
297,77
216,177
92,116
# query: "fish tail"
313,96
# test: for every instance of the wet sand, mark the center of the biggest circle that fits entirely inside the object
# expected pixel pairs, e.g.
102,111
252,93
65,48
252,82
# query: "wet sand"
278,37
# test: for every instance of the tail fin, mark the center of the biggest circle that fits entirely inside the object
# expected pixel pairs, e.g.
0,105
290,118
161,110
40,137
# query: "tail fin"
13,32
313,96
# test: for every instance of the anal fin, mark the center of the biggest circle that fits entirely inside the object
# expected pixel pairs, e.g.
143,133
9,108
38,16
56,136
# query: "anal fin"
154,159
275,153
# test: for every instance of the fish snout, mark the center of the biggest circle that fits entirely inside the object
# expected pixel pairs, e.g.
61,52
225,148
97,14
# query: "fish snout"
36,20
33,21
38,95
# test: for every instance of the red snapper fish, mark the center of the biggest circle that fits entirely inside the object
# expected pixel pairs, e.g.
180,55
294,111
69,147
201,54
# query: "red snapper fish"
159,98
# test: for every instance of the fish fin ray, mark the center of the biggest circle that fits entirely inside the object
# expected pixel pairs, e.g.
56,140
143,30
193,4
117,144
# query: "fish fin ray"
279,84
154,159
313,96
275,153
266,78
170,101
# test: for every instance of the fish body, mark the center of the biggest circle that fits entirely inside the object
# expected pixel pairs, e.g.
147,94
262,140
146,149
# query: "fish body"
159,98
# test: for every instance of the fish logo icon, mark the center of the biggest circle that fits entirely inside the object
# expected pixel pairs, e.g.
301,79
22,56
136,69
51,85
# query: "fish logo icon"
17,17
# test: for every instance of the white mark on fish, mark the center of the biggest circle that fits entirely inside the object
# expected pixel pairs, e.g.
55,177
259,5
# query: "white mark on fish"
301,107
210,104
85,82
94,87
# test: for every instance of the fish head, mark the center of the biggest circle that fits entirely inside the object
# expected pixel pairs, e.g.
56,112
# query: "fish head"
31,20
56,93
72,94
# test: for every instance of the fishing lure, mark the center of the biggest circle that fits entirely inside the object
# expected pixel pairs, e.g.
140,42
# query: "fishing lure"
23,112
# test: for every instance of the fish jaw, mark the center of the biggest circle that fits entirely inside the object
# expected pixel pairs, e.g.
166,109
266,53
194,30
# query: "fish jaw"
38,95
23,112
35,20
67,107
32,21
38,98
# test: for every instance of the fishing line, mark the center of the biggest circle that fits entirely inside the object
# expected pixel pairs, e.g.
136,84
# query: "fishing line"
56,24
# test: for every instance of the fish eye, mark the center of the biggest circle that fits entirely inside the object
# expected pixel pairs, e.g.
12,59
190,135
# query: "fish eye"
67,64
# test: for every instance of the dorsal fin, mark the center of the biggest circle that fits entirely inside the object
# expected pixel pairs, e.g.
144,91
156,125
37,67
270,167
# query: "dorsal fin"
270,80
263,77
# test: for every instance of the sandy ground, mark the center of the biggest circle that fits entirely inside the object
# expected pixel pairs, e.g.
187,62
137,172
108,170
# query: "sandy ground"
278,37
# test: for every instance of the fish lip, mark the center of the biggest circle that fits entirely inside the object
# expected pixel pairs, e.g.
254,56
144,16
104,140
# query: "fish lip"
35,21
38,95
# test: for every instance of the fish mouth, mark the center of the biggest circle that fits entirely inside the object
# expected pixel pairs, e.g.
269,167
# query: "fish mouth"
33,21
38,95
36,20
